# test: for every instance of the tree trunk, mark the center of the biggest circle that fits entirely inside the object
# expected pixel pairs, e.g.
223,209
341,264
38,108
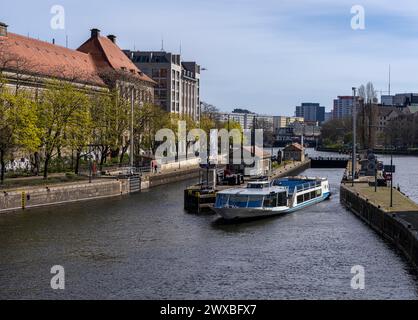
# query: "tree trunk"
103,156
123,152
37,163
77,162
46,163
3,166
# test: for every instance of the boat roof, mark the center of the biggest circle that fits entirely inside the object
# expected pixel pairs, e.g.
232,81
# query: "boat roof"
253,192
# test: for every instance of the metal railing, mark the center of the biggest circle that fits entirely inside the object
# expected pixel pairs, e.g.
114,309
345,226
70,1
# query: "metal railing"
307,186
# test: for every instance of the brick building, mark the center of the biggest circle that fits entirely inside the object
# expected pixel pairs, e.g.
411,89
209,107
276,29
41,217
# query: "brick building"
99,64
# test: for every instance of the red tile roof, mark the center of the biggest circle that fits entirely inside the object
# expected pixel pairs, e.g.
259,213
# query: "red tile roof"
107,54
46,59
293,146
82,65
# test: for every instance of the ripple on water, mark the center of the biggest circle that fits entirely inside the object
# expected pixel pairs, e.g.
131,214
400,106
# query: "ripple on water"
135,247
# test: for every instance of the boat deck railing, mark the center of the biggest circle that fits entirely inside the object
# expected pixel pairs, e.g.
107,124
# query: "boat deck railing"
307,186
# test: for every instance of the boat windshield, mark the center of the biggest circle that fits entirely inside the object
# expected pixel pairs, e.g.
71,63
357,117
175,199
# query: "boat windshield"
239,201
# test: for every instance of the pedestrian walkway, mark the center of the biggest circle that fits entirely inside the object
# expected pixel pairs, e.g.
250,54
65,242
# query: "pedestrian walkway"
401,203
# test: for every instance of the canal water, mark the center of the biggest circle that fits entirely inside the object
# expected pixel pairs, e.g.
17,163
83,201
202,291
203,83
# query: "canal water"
145,247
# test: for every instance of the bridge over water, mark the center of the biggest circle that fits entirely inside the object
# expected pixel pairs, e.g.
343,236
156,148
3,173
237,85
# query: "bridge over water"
330,162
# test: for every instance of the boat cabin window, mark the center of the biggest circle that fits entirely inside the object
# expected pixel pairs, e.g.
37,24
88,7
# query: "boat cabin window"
255,201
270,201
282,199
222,200
238,201
309,196
275,200
261,185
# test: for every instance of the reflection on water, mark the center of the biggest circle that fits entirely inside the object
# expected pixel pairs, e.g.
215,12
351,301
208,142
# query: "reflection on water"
145,246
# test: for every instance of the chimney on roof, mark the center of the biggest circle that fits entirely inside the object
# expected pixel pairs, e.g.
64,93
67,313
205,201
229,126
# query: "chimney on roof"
95,33
3,29
112,38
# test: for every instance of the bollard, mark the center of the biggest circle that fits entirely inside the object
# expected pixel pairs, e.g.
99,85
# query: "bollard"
23,200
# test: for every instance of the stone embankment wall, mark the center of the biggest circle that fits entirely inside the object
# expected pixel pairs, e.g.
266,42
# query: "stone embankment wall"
33,197
400,228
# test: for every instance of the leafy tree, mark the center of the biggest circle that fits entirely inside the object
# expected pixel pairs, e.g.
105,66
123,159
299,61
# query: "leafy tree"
148,120
60,109
337,131
79,132
207,124
122,124
17,125
104,119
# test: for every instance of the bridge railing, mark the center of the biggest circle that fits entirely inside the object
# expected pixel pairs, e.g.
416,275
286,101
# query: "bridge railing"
330,158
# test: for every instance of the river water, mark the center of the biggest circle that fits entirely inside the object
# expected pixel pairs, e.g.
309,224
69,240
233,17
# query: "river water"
145,247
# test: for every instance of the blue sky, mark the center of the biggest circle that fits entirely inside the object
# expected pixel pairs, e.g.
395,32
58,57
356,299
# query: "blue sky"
265,55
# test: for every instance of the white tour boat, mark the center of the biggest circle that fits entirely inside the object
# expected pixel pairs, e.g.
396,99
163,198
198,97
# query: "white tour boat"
268,198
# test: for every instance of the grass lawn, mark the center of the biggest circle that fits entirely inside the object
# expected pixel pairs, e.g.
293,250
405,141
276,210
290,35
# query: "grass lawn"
382,197
14,183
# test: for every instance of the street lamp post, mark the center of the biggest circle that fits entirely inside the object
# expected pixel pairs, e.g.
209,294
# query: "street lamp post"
132,130
90,164
391,177
353,167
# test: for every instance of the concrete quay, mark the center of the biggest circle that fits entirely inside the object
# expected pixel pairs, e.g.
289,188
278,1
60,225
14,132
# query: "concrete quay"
22,198
397,224
57,194
291,169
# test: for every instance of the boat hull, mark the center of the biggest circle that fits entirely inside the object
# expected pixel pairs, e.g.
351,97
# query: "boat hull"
253,213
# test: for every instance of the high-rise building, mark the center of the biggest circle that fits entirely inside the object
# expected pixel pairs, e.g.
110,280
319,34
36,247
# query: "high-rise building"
178,89
387,100
311,112
343,107
405,99
328,116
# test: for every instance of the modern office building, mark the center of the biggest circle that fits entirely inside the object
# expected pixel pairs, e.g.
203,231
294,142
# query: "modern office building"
248,120
343,107
328,116
284,122
190,89
405,99
311,112
387,100
178,89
